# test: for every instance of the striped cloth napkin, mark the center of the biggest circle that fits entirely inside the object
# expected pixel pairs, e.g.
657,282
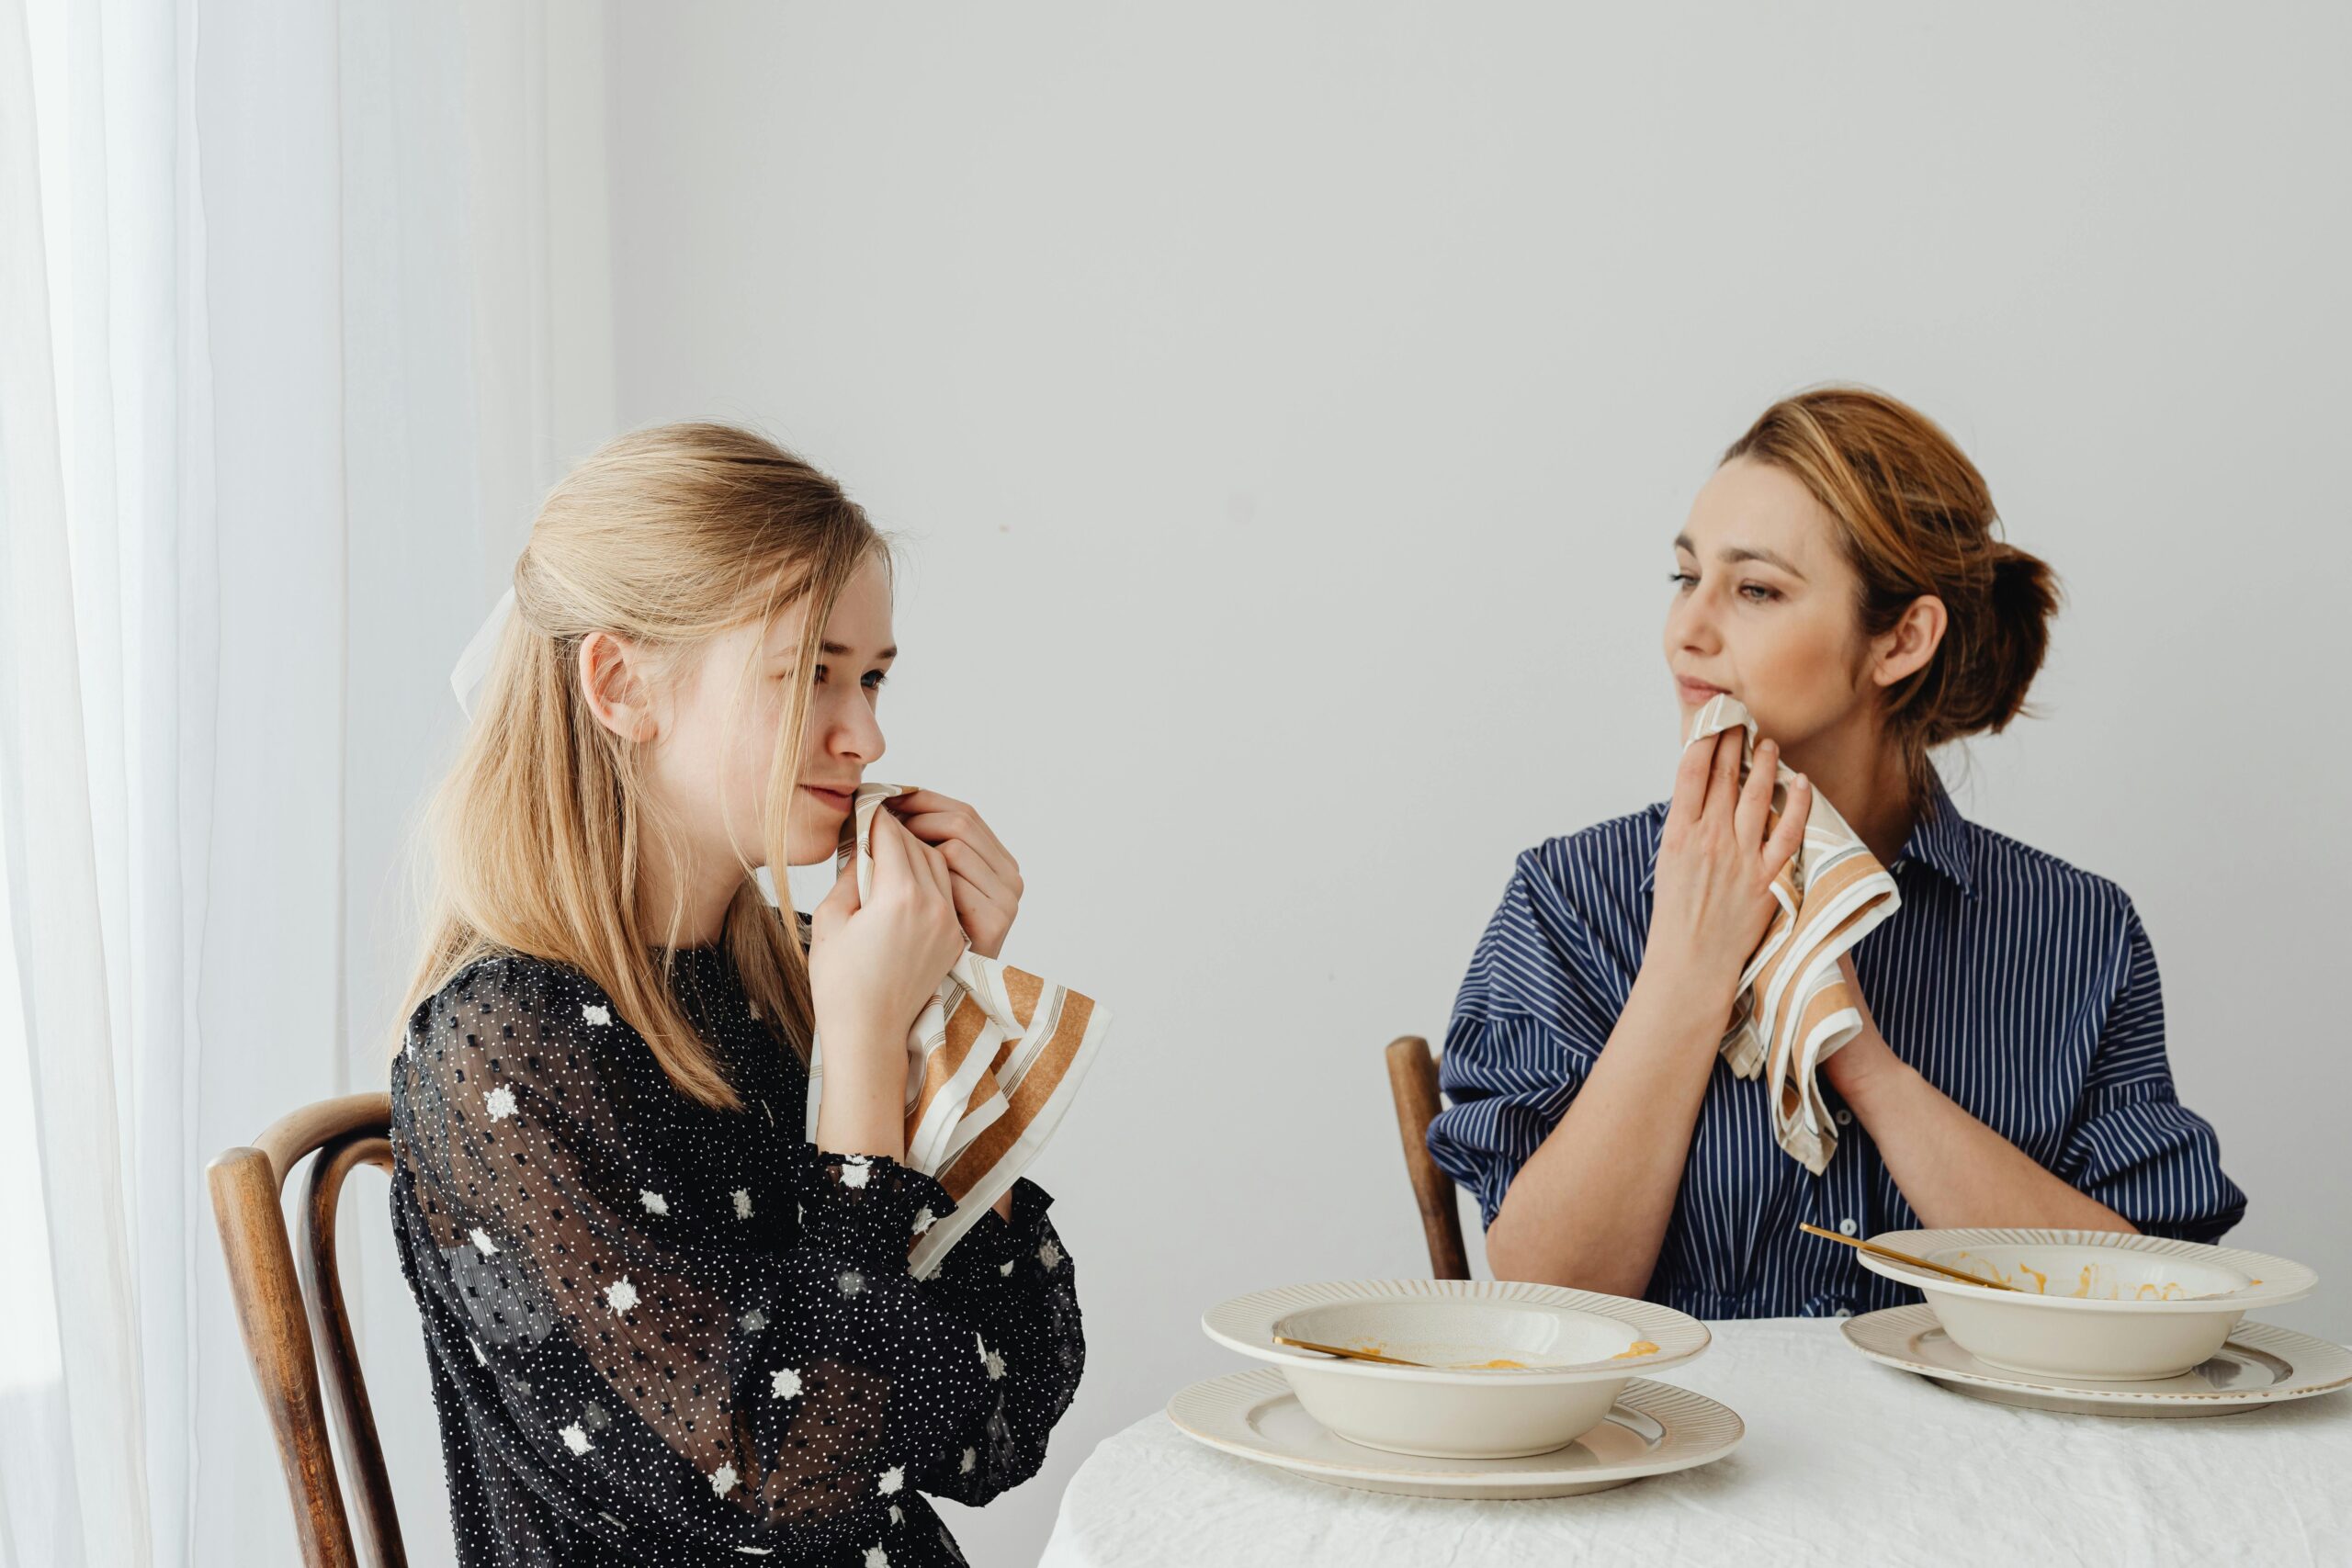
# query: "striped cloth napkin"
1795,1009
992,1064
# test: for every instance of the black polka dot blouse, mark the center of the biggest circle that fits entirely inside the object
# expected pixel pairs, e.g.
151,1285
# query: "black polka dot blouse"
662,1334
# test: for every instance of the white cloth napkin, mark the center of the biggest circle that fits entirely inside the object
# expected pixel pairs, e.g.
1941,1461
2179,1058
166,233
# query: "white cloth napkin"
992,1064
1795,1009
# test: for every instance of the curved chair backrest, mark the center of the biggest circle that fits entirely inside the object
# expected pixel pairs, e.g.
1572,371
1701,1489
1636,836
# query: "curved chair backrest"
1412,1083
285,1315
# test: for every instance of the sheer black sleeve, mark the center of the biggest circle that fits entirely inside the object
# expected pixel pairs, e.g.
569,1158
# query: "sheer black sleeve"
660,1349
1017,1277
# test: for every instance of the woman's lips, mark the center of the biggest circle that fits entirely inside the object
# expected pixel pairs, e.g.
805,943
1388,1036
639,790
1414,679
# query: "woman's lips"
839,800
1696,690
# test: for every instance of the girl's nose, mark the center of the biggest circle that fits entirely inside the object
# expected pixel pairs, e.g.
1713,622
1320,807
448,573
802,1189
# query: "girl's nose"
856,735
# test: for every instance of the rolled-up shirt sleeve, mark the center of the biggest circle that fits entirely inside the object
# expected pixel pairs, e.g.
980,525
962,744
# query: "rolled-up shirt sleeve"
1529,1022
2133,1145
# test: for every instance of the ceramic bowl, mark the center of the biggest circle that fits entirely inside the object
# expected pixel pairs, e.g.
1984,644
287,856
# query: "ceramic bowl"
2098,1305
1510,1369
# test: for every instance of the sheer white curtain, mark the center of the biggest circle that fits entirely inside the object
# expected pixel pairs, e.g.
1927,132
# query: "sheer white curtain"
301,305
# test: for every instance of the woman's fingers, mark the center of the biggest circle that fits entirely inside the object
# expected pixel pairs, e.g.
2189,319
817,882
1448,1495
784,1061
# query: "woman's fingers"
1690,783
1755,806
1788,835
1723,776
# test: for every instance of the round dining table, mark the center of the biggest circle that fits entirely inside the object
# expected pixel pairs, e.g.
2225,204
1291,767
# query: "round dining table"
1843,1461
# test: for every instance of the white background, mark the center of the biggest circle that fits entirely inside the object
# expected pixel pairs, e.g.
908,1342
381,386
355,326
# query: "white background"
1285,411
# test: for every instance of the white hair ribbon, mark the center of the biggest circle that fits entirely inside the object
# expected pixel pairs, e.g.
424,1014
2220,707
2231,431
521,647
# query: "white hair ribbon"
473,665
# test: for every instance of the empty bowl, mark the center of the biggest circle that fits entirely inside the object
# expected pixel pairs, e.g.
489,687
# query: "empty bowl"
2100,1306
1509,1369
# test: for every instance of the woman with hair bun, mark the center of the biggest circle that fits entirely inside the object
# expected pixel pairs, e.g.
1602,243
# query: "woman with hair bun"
1840,576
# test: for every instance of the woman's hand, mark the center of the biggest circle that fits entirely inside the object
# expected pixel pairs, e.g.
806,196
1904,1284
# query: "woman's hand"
984,877
1715,862
1866,1054
873,964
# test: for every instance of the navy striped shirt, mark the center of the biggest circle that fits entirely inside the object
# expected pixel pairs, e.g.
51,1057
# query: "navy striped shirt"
2021,987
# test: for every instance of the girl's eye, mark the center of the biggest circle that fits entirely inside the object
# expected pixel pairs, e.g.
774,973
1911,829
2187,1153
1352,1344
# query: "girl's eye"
1757,594
1683,580
875,679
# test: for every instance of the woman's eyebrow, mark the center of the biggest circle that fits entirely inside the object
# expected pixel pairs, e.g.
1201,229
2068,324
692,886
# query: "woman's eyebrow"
835,651
1731,554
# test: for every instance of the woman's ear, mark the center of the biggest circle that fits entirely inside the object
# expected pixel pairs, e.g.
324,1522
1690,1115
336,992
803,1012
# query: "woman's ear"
613,678
1904,648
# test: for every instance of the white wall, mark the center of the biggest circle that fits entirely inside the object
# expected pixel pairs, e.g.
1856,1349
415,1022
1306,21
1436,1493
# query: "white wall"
1287,409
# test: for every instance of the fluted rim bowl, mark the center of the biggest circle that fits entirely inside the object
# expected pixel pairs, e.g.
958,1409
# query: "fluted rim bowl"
2104,1305
1571,1346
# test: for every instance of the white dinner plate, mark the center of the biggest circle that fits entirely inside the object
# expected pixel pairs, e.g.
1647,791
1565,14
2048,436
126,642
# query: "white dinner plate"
1653,1428
2261,1364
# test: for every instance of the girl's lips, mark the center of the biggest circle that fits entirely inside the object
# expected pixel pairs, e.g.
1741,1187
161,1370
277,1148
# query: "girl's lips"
1696,690
839,800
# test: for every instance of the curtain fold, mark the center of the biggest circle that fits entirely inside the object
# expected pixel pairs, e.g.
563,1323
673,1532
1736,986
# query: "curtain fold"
300,305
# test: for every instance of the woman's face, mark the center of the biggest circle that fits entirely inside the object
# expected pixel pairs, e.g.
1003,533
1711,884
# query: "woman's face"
1765,607
718,737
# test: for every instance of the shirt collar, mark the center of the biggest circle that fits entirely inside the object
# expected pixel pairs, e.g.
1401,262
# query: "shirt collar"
1942,840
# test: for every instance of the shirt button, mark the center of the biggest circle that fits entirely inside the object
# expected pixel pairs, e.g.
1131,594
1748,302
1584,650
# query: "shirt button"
1843,1311
1844,1116
1847,1227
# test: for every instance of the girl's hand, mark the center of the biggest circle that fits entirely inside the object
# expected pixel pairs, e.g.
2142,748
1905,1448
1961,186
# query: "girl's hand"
986,878
872,967
1716,864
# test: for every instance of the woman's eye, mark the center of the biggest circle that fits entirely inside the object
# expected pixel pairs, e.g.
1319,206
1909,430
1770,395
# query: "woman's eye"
1757,594
819,679
875,679
1683,580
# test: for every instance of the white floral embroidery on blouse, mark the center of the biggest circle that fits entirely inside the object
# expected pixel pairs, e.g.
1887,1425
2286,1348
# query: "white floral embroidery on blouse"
596,1013
621,1295
654,1202
742,1202
499,1102
483,1243
575,1438
786,1383
723,1479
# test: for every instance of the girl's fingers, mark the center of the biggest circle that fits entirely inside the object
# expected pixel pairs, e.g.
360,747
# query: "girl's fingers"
934,868
893,867
935,819
1788,836
985,918
839,902
968,865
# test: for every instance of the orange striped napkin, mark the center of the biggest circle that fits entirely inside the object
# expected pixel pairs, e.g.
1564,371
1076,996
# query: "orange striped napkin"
1795,1009
992,1064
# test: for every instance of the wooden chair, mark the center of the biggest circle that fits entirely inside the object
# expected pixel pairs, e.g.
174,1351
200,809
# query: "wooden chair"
284,1317
1412,1081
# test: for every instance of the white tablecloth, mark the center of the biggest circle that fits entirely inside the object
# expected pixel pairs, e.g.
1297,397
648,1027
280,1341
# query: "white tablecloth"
1845,1462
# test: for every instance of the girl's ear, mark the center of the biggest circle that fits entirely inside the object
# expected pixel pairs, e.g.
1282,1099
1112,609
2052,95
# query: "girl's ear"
613,678
1907,645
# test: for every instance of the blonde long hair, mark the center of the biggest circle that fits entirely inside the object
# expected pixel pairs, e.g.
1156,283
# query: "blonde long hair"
665,537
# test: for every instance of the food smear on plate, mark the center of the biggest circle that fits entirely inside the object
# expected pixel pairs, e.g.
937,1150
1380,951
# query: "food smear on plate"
2091,1285
1486,1366
1638,1348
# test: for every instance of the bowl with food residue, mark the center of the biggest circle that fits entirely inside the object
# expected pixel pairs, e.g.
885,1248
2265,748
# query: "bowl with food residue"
1502,1369
2102,1306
